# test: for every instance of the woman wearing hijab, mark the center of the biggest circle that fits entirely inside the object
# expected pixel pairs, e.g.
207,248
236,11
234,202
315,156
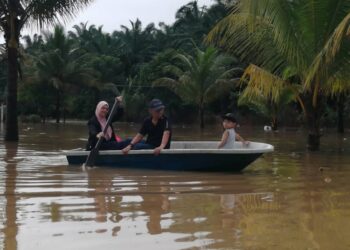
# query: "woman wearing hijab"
98,122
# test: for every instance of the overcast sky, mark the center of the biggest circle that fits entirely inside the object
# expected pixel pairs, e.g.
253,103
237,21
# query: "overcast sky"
113,13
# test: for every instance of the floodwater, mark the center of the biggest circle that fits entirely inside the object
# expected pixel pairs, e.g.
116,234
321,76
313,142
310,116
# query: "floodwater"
289,199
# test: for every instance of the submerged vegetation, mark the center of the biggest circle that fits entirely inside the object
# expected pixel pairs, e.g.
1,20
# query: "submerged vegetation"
291,58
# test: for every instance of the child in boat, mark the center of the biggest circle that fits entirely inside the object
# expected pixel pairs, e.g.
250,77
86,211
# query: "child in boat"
230,136
156,127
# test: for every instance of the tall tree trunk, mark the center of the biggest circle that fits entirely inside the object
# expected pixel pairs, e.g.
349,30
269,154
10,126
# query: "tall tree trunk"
314,106
274,124
11,34
58,106
63,108
340,110
11,133
313,141
201,117
314,123
10,224
274,117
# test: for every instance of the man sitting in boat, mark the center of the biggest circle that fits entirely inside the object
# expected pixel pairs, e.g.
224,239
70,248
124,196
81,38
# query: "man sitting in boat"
97,124
157,129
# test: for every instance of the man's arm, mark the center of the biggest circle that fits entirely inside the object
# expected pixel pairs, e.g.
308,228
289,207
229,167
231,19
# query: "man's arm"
165,140
134,141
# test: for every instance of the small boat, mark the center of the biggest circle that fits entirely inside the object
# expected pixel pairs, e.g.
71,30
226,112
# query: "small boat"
182,156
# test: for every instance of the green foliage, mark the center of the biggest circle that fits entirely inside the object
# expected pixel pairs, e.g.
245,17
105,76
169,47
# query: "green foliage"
199,79
68,73
193,22
137,46
265,104
15,15
59,66
303,38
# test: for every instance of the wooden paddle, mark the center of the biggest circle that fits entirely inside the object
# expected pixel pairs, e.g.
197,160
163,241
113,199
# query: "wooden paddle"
94,152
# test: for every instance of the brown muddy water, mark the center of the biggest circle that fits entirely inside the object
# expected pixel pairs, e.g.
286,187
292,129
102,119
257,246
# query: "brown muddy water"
289,199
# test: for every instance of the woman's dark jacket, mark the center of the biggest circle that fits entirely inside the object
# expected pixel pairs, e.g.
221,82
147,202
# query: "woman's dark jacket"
95,128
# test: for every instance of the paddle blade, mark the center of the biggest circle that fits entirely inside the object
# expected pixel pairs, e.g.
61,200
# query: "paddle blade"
90,161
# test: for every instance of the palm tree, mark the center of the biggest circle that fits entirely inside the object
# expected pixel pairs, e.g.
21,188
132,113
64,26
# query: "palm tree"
137,46
15,14
166,37
189,26
302,37
83,35
62,66
94,40
340,113
192,22
189,18
271,99
105,51
200,79
339,90
33,44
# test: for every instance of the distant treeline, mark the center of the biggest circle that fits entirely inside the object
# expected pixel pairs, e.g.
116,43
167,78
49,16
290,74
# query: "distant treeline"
65,73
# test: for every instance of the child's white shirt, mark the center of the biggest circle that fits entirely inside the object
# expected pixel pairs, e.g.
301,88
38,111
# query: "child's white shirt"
230,143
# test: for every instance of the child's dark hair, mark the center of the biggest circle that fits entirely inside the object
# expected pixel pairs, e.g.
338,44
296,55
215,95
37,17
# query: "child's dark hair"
229,117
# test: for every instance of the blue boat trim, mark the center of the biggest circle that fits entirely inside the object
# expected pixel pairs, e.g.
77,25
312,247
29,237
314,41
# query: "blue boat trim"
183,156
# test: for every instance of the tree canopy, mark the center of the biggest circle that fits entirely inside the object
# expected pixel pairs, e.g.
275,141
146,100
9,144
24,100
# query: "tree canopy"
290,56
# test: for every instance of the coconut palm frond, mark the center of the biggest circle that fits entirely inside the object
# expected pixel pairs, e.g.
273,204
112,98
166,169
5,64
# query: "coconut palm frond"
183,59
232,73
259,106
196,79
166,82
289,94
173,70
221,88
61,65
51,11
327,55
285,33
261,82
252,39
336,87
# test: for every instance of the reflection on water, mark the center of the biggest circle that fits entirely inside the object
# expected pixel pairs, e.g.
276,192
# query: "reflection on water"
290,199
9,212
